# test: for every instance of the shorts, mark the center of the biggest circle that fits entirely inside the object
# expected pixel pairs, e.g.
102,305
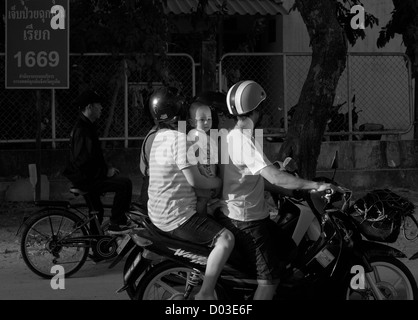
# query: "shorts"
263,244
199,230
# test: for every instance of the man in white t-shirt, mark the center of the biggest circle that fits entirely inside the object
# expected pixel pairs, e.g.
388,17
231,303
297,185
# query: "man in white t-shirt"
172,200
244,210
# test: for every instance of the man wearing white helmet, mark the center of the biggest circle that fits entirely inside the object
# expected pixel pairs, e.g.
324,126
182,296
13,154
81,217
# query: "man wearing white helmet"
244,210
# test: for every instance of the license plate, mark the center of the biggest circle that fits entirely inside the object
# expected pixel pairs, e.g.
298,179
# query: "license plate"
324,257
123,243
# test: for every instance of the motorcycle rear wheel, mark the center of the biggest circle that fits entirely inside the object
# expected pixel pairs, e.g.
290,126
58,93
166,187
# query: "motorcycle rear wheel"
393,278
165,281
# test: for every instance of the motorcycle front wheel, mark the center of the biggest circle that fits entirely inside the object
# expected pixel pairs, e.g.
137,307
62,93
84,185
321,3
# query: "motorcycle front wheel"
392,277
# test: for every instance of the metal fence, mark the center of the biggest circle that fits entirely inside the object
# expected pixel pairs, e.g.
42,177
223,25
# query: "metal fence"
124,88
381,84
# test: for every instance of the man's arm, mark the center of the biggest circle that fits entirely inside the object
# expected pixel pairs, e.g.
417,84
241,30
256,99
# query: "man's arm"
197,180
275,189
280,178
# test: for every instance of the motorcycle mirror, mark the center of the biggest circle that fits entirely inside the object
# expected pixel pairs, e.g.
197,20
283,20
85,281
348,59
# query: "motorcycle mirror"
335,163
290,164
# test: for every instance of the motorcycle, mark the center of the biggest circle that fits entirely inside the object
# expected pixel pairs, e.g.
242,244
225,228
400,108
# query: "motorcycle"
333,260
127,246
339,121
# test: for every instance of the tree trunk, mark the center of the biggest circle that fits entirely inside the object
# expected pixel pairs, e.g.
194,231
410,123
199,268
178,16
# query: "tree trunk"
208,71
410,39
416,108
329,54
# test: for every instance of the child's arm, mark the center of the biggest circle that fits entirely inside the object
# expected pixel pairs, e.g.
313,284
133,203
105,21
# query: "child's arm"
197,180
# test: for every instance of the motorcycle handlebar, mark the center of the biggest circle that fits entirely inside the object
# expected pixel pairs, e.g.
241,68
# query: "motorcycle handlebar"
331,191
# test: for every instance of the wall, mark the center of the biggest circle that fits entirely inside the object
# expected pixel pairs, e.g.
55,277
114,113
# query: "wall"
14,166
363,165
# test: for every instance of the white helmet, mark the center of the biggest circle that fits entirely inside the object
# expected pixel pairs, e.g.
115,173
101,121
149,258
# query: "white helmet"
244,96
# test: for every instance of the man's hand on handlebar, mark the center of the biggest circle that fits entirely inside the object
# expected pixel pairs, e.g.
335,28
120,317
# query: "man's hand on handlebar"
330,188
325,186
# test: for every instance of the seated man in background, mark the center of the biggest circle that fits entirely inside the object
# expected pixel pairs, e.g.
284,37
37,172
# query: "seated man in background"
88,170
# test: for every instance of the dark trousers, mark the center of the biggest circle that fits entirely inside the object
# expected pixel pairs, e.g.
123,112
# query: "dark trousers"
122,187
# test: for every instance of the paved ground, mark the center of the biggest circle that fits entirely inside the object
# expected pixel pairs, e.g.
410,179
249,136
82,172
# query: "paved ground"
93,281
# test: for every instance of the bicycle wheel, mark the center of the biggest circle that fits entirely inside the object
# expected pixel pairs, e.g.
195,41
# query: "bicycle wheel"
410,227
47,241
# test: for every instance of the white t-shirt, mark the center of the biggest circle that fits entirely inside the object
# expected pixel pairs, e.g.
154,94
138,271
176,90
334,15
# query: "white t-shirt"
172,200
243,186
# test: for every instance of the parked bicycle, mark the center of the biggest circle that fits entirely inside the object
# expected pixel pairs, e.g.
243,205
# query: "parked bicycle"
62,233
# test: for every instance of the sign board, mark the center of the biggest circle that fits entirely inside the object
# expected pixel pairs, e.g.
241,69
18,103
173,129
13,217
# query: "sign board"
37,44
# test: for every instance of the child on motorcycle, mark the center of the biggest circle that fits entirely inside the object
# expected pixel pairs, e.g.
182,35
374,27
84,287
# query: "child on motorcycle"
200,119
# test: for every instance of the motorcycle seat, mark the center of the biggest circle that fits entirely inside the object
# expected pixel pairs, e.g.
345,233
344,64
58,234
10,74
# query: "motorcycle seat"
236,263
155,234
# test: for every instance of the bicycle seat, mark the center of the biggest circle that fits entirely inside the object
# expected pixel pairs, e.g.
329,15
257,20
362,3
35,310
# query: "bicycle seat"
77,191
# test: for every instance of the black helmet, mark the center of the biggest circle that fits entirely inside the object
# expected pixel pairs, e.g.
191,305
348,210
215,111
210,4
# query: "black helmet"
215,100
165,104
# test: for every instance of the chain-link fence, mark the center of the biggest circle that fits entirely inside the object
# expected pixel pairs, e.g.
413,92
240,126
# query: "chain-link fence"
124,83
374,91
376,86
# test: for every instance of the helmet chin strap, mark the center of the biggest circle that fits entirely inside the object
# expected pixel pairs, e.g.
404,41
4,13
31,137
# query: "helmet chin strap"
258,122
